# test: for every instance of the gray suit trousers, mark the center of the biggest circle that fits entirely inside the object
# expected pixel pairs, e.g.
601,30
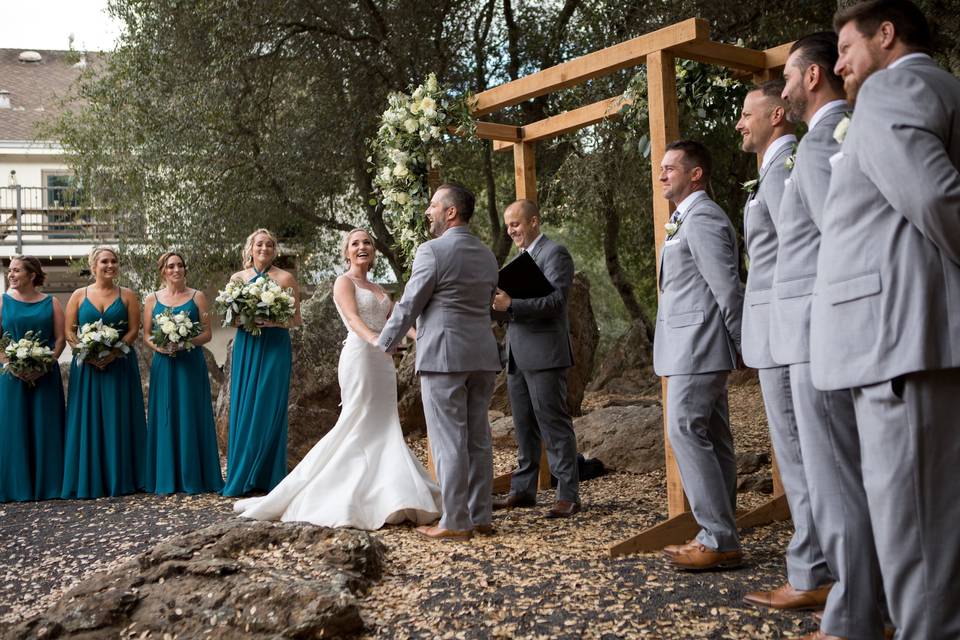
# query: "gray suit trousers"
806,567
831,458
539,402
698,426
455,406
911,456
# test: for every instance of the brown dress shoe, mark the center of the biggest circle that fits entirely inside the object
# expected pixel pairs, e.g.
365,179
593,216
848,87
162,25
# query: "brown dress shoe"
788,598
439,533
698,557
563,509
484,530
514,501
673,549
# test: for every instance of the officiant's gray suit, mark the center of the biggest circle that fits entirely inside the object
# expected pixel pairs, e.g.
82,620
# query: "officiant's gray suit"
829,445
448,295
806,566
538,356
886,323
695,347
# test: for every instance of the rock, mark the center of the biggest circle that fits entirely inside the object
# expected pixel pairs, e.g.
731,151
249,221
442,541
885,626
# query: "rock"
501,430
754,472
627,369
584,338
624,438
314,400
750,462
237,579
409,402
761,483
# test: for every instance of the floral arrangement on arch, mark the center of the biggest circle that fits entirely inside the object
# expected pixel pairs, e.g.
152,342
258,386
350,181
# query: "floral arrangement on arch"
413,130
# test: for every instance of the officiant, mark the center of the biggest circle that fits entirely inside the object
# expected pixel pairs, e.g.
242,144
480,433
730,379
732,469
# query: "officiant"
538,356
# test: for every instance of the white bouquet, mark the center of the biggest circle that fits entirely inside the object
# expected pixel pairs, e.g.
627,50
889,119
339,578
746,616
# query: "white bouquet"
250,302
174,330
96,340
26,355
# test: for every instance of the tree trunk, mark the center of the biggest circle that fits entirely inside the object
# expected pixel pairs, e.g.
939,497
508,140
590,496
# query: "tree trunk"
611,240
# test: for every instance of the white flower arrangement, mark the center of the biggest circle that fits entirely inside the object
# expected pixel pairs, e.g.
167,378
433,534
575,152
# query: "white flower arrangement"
26,355
96,340
408,143
174,330
247,302
671,228
840,131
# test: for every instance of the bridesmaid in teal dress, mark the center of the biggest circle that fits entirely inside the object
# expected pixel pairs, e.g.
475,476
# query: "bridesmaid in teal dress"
260,384
181,437
31,431
106,426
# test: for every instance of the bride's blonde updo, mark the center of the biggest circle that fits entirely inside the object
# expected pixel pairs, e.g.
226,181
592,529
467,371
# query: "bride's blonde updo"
346,246
247,253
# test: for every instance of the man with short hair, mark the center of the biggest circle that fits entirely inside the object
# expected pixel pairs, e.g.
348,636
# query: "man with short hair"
451,286
695,347
886,308
538,356
829,445
767,132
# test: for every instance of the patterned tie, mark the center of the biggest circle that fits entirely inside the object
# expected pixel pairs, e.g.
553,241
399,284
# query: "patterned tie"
675,217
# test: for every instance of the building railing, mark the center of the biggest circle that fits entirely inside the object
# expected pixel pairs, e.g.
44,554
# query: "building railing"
50,216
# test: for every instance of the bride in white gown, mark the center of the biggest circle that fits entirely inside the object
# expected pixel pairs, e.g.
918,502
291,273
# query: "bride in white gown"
361,474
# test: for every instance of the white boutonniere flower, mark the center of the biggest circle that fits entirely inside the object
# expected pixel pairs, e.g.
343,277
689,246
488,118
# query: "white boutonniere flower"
840,132
751,186
791,160
671,228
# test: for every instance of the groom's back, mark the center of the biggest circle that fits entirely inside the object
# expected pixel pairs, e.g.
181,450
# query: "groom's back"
454,331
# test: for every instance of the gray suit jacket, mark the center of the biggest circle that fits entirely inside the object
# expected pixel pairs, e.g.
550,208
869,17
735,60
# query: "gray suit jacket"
801,213
887,298
698,318
538,333
760,235
448,295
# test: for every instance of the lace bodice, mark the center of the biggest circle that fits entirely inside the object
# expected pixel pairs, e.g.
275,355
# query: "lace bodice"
372,308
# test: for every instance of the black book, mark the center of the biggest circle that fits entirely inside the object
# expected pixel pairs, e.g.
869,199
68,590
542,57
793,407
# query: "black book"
521,278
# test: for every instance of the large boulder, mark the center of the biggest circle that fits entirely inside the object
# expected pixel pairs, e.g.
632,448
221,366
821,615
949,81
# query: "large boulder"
237,579
314,400
584,337
627,368
624,438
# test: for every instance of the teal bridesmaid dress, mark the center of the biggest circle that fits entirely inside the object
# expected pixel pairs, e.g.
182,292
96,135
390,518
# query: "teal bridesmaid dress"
259,388
31,431
182,451
106,426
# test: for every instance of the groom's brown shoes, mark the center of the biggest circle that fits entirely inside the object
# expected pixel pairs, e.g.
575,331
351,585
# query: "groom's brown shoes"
439,533
484,530
787,598
514,501
563,509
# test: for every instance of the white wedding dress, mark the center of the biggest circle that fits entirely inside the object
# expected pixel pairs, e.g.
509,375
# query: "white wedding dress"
361,474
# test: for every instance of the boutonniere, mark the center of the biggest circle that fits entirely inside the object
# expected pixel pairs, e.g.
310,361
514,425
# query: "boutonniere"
672,228
840,132
751,186
792,158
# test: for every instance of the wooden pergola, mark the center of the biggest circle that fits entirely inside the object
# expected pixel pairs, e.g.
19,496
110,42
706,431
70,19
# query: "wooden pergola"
689,39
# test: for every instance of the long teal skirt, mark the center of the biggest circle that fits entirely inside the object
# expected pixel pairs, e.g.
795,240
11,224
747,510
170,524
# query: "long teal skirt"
259,387
181,437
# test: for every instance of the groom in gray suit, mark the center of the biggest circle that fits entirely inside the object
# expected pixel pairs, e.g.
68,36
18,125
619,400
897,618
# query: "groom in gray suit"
767,132
538,356
449,293
695,347
886,308
829,445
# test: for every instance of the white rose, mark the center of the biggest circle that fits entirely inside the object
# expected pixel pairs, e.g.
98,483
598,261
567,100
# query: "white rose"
401,171
410,124
22,353
183,331
267,297
840,132
254,291
428,104
401,197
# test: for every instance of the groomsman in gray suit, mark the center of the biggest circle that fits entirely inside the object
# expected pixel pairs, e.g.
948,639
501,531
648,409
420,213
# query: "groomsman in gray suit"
827,424
538,356
886,308
766,132
451,286
695,347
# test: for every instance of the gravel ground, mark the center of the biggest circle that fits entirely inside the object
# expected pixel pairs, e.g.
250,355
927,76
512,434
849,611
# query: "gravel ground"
536,578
